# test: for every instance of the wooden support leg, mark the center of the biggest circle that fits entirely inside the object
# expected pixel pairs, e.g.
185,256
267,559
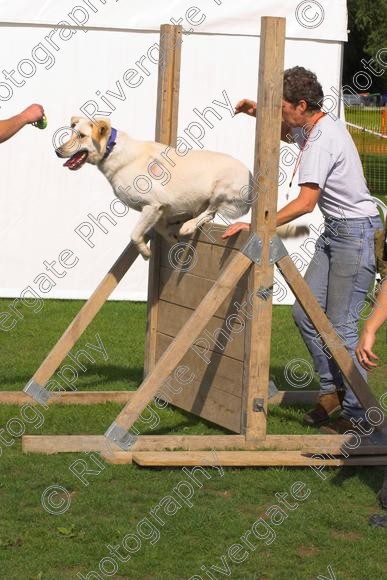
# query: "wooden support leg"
166,132
222,459
332,340
226,283
84,317
344,445
263,224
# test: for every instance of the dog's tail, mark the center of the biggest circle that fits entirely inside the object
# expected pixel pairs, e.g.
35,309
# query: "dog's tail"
292,231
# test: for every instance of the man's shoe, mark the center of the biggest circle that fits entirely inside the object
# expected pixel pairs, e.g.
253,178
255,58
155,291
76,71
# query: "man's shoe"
341,425
326,406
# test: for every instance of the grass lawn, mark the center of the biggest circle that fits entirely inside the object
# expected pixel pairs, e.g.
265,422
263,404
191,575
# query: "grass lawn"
328,528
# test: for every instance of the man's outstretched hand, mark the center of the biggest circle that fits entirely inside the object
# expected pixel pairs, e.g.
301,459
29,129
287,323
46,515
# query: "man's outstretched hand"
246,106
32,113
235,229
9,127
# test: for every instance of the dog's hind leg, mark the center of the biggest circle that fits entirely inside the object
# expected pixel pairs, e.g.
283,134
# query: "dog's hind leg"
191,226
150,215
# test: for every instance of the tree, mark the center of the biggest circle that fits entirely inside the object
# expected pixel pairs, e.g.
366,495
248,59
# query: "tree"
367,22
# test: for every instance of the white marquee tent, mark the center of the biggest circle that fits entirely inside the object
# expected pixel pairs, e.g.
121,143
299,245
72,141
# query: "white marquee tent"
49,58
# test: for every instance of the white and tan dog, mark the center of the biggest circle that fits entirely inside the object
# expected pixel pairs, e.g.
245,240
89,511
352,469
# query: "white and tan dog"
175,190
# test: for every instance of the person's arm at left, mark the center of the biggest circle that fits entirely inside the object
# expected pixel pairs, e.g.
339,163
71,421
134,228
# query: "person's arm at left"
9,127
303,204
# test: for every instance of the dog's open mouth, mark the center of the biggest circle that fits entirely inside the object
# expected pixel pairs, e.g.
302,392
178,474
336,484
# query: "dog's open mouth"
77,160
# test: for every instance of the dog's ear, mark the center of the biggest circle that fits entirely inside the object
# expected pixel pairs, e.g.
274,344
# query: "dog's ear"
75,120
103,126
100,130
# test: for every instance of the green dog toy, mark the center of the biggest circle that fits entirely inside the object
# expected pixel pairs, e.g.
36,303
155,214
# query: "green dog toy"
42,123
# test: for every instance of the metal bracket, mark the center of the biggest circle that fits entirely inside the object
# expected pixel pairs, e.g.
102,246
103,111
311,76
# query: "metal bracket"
258,403
120,436
37,392
277,249
254,246
264,293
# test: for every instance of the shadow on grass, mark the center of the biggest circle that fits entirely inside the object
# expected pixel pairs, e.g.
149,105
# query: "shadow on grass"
277,375
370,476
96,374
188,421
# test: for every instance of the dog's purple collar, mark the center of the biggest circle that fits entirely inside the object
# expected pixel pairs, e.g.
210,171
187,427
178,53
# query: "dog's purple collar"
110,143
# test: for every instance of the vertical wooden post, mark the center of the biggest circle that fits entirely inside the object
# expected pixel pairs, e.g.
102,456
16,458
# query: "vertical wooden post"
166,132
263,224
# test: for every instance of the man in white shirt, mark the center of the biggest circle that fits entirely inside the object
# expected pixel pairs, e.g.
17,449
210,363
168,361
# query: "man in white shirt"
343,266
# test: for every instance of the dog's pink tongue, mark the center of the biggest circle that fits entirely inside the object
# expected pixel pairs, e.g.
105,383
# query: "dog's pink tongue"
76,160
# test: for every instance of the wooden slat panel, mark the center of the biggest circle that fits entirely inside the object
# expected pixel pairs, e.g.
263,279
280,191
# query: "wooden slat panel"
187,290
223,372
199,259
215,406
212,234
208,397
172,317
165,366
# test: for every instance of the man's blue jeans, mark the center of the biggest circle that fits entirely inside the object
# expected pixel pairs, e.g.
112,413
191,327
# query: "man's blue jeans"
339,275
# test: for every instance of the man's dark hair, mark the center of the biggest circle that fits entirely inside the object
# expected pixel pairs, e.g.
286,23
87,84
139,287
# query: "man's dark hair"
301,84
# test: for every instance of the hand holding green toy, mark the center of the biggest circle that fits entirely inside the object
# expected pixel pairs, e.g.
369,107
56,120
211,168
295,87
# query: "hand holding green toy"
32,115
42,123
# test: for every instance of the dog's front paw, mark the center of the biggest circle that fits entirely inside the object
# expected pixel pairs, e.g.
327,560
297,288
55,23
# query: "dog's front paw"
187,229
146,253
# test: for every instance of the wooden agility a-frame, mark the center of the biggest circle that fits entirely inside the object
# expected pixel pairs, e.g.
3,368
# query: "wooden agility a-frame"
212,321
